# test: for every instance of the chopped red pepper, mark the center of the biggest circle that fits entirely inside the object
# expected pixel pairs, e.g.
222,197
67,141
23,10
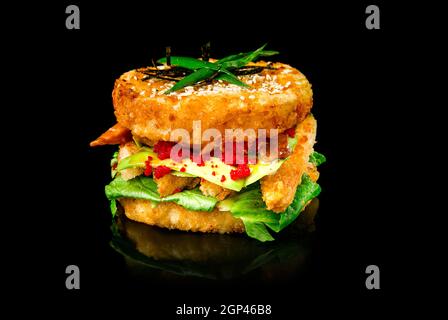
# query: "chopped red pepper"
201,164
163,149
177,190
201,160
291,132
223,178
182,169
161,171
148,168
233,158
213,173
242,171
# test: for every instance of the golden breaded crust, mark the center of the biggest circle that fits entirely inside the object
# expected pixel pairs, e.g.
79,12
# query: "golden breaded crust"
280,98
172,216
117,134
278,190
213,190
125,150
170,184
311,171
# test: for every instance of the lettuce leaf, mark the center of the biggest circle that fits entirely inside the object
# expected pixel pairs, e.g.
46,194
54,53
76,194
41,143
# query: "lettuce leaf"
113,207
192,200
145,188
306,191
114,164
251,209
317,158
257,230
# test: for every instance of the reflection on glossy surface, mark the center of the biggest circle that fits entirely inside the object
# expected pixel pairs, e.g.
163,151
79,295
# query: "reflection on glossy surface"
170,254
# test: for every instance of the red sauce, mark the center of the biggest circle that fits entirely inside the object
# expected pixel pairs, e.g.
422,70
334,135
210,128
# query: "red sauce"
241,172
177,190
161,171
213,173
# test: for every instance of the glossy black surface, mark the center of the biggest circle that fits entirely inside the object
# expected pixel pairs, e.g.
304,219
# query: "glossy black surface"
158,255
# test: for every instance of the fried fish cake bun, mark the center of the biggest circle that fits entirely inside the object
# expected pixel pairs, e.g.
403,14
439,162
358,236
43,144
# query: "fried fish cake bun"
279,97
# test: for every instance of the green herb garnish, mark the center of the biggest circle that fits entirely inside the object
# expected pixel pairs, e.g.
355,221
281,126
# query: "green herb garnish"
221,69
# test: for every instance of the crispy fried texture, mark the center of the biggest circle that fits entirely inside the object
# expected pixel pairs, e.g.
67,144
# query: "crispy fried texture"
114,135
170,184
213,190
172,216
126,150
278,190
278,99
311,170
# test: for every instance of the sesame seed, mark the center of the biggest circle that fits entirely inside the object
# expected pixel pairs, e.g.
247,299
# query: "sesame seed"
266,82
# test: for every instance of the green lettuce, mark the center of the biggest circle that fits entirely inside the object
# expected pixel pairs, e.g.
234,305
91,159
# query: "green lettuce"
251,209
145,188
114,164
317,158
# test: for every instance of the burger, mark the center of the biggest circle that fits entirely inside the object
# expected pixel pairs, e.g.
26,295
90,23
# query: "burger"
222,146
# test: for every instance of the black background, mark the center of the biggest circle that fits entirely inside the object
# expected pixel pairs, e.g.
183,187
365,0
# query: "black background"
354,74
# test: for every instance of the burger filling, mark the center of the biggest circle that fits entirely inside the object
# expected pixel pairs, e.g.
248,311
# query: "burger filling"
255,191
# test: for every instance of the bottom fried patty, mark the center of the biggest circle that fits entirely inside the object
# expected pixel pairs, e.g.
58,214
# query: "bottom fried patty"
172,216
